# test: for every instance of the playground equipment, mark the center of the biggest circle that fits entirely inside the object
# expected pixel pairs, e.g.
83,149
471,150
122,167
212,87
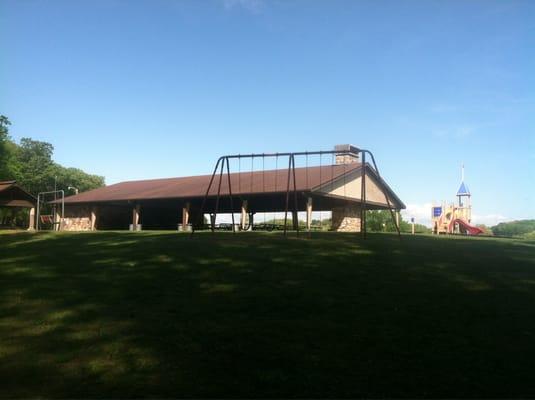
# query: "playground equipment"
223,163
53,218
455,218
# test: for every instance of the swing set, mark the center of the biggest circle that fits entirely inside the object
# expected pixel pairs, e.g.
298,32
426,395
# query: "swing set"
223,165
51,218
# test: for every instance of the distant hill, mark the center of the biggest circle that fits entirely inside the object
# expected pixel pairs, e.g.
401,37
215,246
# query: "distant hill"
522,228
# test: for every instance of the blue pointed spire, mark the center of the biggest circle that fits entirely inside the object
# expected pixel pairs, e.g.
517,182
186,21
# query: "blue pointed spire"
463,190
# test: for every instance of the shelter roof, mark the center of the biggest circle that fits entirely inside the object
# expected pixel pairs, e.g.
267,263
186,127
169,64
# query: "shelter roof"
307,179
12,195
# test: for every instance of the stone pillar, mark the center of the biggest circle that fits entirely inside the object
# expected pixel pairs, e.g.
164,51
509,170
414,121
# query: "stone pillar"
243,218
57,219
212,220
309,213
94,218
251,221
185,216
346,219
135,217
31,221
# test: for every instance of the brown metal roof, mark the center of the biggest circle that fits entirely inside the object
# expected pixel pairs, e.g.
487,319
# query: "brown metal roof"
12,195
4,185
257,182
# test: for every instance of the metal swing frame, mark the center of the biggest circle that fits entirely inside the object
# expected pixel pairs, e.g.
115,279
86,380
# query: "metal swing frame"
39,203
223,163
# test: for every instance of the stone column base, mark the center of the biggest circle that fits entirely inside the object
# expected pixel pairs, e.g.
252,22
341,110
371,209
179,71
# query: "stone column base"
346,219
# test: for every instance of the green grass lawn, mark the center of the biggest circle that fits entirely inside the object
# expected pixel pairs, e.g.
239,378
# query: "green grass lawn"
218,315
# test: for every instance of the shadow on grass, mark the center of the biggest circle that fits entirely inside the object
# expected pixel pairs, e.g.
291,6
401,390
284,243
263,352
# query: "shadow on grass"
166,315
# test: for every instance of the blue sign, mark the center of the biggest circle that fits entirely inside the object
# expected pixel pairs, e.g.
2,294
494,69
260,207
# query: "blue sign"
437,211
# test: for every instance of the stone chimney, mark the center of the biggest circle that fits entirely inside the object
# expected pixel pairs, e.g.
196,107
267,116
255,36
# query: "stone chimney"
346,154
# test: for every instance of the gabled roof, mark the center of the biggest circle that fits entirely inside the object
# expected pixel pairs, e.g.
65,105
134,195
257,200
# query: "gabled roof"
257,182
463,190
4,185
12,195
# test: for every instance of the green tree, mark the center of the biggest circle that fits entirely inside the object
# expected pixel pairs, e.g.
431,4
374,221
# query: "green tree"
486,230
30,163
36,170
76,178
4,150
381,221
514,228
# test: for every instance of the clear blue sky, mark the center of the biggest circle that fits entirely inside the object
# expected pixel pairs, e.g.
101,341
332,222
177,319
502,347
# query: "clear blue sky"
144,89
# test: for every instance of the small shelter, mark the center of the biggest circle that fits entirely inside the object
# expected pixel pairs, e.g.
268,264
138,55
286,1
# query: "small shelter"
14,196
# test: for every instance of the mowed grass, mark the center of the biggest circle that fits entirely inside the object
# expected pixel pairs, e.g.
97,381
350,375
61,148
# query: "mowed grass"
256,315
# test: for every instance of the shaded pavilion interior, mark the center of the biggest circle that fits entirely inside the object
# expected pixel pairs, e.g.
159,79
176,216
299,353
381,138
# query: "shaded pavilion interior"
15,198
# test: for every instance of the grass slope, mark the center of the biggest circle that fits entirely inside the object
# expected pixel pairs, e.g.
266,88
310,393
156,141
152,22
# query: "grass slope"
161,314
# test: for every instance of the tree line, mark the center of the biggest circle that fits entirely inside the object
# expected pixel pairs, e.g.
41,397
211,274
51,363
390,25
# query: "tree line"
30,163
381,221
524,228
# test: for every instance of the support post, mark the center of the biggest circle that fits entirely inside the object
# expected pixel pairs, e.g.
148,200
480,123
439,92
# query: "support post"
295,221
212,221
58,217
363,196
309,213
185,216
38,210
31,222
287,193
384,192
135,216
251,221
214,215
230,196
201,211
94,218
243,218
397,219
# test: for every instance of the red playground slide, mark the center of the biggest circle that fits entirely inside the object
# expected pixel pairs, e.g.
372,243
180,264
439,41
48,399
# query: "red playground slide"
466,228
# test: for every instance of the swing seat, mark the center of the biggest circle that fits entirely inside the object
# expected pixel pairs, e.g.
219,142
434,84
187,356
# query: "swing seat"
47,219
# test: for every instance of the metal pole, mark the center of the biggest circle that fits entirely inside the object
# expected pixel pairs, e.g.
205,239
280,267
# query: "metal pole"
230,194
62,209
38,206
287,193
386,194
298,153
55,205
295,196
218,195
200,218
363,195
